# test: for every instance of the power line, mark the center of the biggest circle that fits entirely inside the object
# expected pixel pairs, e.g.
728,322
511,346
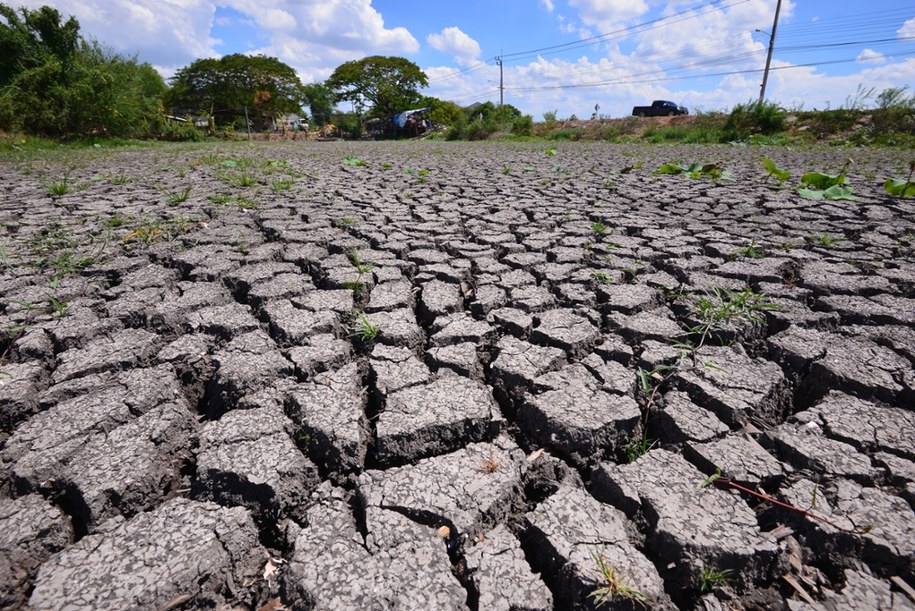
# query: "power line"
704,75
623,32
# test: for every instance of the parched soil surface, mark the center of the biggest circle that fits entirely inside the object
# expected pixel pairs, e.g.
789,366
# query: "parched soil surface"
452,376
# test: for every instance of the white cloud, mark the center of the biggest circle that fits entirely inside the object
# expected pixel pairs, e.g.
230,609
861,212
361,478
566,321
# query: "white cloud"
312,36
869,56
908,29
607,15
548,5
452,40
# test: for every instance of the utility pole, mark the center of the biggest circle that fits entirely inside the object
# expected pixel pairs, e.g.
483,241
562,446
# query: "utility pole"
501,85
762,89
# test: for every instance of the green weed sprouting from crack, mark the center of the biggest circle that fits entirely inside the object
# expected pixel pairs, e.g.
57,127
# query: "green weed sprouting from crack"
599,228
714,311
60,187
751,251
602,277
824,239
723,306
356,286
640,446
178,197
614,585
711,578
281,185
356,261
364,329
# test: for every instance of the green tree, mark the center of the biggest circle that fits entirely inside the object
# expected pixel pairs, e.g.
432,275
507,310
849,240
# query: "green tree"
227,86
442,112
60,85
389,84
321,101
31,38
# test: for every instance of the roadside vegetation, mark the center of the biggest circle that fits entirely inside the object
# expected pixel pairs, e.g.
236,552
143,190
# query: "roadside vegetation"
889,122
57,85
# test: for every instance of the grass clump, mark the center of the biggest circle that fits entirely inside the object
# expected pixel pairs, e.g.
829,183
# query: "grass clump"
365,330
711,578
613,586
752,118
724,306
178,197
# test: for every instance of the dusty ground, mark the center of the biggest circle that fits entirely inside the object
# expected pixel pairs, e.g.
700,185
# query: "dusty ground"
452,376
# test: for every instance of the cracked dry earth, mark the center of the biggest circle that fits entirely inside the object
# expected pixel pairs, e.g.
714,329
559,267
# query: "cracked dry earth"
196,410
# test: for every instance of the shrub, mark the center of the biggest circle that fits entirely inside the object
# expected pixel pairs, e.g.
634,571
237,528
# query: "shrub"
523,125
754,118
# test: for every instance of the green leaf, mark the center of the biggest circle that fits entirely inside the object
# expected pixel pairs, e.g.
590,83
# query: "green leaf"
353,161
810,193
644,382
229,163
839,192
774,170
671,168
899,188
822,181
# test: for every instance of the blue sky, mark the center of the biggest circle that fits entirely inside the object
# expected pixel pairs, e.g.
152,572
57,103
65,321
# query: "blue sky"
562,55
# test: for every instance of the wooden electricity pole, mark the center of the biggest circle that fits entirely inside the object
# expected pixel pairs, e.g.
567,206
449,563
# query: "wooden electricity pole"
762,89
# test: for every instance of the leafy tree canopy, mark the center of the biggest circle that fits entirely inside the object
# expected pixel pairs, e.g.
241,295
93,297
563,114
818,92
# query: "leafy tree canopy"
442,112
321,101
28,39
53,82
389,84
224,87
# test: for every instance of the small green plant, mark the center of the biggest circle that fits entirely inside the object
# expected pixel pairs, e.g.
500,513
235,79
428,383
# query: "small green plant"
355,260
245,203
599,228
245,180
613,585
59,306
116,220
282,185
550,152
356,286
901,188
345,221
353,161
220,198
506,169
640,446
817,185
710,578
634,270
697,170
752,251
365,330
773,170
824,239
178,197
387,166
602,277
723,305
60,187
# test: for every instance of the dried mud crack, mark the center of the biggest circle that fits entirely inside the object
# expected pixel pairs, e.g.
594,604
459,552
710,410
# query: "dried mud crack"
455,377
